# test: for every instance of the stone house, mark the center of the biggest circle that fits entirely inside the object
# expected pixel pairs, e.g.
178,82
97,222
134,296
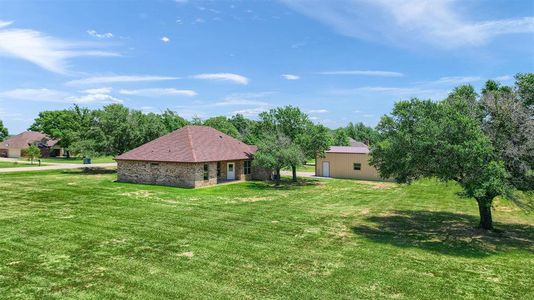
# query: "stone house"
192,156
16,146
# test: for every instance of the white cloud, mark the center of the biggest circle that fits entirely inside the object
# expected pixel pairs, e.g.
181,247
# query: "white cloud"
441,23
239,102
48,95
43,95
95,34
455,80
158,92
165,39
290,77
94,98
364,73
5,23
119,78
236,78
504,78
317,111
104,90
251,112
399,92
45,51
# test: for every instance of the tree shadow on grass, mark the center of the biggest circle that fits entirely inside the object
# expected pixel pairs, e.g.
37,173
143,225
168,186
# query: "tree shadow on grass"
446,233
285,184
91,171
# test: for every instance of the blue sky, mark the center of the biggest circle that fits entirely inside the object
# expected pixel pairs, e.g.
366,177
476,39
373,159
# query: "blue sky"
339,61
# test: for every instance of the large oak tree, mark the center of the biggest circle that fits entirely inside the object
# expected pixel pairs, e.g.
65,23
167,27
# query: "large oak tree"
422,138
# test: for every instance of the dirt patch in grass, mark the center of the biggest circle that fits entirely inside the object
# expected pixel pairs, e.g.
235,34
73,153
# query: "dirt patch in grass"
378,185
188,254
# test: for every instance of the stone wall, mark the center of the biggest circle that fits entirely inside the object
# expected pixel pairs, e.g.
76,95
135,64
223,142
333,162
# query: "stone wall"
261,173
172,174
182,174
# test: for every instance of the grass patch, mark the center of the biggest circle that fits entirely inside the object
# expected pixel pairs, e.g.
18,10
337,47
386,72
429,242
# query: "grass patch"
308,167
78,160
16,165
74,234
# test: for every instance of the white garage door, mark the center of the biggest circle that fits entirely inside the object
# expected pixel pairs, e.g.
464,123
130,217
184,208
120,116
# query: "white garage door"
14,153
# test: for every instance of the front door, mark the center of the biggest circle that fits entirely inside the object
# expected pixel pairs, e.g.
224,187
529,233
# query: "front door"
230,171
326,169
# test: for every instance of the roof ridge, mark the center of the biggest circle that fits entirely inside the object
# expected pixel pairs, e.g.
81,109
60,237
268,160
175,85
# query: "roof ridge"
190,141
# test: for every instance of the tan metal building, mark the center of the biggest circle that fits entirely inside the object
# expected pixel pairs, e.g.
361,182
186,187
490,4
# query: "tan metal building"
346,162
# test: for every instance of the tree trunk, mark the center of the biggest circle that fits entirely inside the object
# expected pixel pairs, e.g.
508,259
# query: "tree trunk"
277,176
67,152
294,169
484,208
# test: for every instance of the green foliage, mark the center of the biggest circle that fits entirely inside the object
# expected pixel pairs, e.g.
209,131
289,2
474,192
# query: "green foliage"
291,122
224,125
3,132
276,151
33,152
510,126
245,127
316,141
64,125
361,132
423,138
172,121
525,88
468,94
341,138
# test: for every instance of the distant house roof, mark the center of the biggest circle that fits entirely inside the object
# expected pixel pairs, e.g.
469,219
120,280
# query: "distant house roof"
27,138
355,143
348,149
191,144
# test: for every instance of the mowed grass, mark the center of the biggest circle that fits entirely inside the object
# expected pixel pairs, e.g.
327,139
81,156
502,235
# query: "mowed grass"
15,165
69,234
78,160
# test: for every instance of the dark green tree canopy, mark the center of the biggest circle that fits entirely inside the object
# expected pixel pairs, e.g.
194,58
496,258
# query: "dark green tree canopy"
361,132
340,137
422,138
3,132
224,125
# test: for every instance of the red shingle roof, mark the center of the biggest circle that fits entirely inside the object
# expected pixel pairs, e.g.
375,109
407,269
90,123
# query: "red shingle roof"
23,140
191,144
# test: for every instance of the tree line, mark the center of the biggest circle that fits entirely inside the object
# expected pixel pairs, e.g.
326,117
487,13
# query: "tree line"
115,129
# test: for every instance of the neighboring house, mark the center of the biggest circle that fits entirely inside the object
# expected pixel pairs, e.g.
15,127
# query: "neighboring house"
191,156
15,146
347,162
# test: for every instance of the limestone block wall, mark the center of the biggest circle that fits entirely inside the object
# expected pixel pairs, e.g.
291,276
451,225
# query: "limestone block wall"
199,174
182,174
162,173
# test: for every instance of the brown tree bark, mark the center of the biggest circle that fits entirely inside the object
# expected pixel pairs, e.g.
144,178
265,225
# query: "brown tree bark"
484,209
294,169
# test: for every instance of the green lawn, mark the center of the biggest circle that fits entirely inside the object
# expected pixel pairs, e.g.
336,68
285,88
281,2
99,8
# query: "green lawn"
308,167
78,160
15,165
69,234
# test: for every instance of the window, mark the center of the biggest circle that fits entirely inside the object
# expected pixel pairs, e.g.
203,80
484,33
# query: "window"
247,167
357,166
206,172
218,169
